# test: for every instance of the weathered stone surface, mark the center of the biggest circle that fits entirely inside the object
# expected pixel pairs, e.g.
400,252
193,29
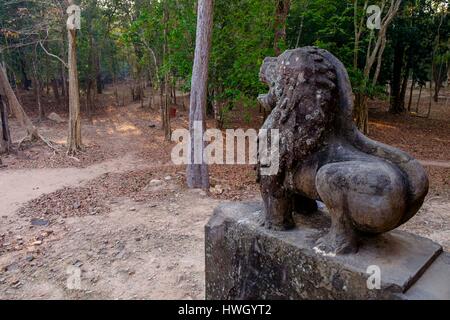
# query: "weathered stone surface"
367,186
55,117
244,260
434,283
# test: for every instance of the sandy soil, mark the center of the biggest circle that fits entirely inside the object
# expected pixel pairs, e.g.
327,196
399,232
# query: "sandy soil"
118,223
139,250
27,184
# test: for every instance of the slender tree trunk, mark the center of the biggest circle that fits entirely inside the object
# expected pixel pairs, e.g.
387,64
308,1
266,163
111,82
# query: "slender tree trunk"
403,89
396,105
64,82
300,31
150,98
165,115
92,72
37,91
411,90
281,14
167,126
65,89
56,91
197,170
37,96
74,138
16,87
439,78
430,103
89,98
374,54
47,77
141,91
116,92
25,81
174,94
358,29
5,136
361,112
98,73
434,74
161,103
15,106
418,99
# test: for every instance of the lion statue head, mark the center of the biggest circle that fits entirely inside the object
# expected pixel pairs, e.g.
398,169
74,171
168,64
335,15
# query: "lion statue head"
304,99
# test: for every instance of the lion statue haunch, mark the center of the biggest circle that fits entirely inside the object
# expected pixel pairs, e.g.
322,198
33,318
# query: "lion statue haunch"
368,187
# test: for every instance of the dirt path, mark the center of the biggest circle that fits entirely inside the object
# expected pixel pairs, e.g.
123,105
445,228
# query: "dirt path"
139,250
131,248
434,163
23,185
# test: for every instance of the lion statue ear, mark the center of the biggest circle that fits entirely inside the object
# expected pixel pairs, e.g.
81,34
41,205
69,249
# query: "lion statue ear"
268,76
267,73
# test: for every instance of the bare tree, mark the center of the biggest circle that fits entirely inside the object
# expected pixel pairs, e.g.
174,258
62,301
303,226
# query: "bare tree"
7,92
197,169
375,52
359,28
16,107
165,116
5,136
74,138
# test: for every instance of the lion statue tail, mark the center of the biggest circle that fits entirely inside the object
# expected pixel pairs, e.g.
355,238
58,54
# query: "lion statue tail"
414,173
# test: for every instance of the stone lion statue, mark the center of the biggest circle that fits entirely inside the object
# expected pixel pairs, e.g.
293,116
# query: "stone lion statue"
368,187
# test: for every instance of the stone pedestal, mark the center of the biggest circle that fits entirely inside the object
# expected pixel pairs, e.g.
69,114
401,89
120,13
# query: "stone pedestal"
246,261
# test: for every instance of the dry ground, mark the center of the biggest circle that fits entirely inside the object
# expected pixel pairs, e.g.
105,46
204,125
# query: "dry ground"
119,213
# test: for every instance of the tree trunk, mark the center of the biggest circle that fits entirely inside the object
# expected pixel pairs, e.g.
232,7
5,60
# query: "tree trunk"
56,91
361,112
430,103
74,137
89,98
141,92
37,95
116,92
396,105
26,83
281,14
167,126
165,104
358,29
411,90
439,78
161,103
418,99
151,97
16,108
373,55
5,136
197,170
92,71
16,87
98,72
37,91
403,89
174,94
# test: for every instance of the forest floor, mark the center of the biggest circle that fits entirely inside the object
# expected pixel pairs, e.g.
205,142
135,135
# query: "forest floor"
120,213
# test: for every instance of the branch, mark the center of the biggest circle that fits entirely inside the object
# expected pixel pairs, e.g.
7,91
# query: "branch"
393,9
54,56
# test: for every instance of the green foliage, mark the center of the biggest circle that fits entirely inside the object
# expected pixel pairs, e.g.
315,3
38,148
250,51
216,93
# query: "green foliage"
242,38
122,39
